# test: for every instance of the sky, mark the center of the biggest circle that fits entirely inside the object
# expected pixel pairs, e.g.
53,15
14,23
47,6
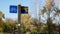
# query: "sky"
33,7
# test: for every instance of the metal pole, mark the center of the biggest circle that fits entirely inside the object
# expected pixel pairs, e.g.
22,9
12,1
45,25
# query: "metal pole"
19,18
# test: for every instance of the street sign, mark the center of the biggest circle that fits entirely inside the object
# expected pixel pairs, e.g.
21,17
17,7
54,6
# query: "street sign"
24,10
13,9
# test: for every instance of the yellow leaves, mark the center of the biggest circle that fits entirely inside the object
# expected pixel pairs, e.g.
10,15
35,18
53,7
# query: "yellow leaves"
22,29
27,26
42,27
10,21
32,27
48,4
25,18
1,14
0,21
27,32
1,29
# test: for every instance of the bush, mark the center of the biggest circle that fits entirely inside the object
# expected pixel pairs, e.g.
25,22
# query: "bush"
7,27
33,32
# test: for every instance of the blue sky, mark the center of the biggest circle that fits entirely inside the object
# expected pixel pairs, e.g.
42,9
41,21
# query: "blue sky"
32,4
4,7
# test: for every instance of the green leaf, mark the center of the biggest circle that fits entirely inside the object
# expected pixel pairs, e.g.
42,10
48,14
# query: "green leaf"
3,16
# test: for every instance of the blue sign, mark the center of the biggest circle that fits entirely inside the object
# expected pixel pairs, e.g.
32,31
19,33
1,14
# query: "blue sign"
13,9
24,10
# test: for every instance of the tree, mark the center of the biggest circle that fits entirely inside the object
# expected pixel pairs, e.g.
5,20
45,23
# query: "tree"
36,24
1,21
51,27
25,23
9,25
2,15
47,9
58,27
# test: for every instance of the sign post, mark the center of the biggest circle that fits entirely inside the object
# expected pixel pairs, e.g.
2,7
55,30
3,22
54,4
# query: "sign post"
19,18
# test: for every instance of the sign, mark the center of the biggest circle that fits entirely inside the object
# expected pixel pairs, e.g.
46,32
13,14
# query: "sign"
24,10
13,9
